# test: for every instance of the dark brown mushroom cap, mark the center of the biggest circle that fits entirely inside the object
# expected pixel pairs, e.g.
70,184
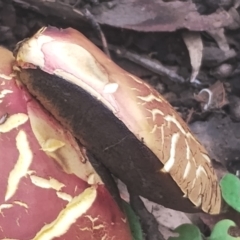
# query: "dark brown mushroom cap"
128,125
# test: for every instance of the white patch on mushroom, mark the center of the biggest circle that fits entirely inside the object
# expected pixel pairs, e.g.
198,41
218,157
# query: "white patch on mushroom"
172,119
64,196
154,128
200,170
93,220
187,150
21,167
68,216
8,238
5,206
188,135
199,201
6,77
206,157
193,182
91,179
187,170
46,183
110,88
4,92
134,78
169,164
51,145
13,121
150,98
162,135
22,204
155,112
104,237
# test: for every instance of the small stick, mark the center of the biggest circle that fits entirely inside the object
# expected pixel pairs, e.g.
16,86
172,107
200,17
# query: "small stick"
150,64
97,27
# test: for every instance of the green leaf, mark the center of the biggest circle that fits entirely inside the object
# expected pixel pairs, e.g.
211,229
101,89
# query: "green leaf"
187,232
230,187
220,231
134,223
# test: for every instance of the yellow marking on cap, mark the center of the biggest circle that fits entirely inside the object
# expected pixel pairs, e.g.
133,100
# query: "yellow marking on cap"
46,183
51,145
21,167
169,164
13,121
4,92
22,204
64,196
68,216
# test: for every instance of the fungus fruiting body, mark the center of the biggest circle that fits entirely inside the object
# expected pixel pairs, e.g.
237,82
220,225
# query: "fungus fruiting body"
49,189
122,120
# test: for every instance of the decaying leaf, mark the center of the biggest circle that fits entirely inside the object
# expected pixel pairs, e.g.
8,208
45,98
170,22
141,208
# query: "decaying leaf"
213,97
213,56
194,44
139,15
161,16
220,38
235,19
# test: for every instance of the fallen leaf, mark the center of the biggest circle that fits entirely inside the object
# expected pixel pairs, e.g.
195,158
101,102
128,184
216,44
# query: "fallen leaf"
139,15
194,45
161,16
219,36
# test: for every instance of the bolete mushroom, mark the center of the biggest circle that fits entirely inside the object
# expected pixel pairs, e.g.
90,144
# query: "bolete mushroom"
121,119
49,190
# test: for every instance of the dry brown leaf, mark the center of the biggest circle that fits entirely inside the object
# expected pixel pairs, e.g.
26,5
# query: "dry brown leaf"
220,38
138,15
194,45
235,19
161,16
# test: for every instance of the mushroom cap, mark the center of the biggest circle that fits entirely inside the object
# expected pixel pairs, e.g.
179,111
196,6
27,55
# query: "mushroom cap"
49,189
126,123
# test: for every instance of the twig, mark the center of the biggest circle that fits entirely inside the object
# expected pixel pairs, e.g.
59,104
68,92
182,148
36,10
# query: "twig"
150,64
91,19
189,116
